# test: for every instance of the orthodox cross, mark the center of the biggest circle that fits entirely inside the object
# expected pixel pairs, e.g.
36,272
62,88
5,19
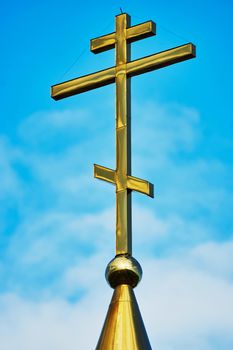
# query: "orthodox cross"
121,73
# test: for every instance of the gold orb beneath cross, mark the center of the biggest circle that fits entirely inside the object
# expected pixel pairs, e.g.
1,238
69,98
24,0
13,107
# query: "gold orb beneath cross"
123,269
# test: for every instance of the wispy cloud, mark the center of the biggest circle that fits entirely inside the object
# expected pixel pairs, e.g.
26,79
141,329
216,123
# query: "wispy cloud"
183,305
64,228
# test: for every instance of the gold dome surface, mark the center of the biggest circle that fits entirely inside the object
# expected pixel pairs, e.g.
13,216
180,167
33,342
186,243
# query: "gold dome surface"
123,327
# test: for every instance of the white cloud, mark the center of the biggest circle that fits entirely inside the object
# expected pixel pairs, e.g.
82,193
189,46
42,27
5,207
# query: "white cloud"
50,243
64,216
43,126
184,305
192,304
10,184
165,138
65,231
161,131
216,258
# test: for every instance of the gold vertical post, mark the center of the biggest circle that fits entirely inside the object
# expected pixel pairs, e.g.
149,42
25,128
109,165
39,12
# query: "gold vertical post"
123,142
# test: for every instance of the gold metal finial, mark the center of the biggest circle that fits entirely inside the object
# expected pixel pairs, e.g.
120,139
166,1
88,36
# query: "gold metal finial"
123,270
123,328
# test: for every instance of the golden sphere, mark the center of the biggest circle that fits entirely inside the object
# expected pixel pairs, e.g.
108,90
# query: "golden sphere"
123,269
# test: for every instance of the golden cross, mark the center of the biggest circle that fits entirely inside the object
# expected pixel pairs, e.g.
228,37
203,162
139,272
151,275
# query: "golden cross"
121,73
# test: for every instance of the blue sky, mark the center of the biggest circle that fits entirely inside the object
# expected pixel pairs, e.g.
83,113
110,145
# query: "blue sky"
57,221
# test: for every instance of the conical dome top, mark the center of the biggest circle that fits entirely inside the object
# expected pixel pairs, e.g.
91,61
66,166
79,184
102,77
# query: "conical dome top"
123,328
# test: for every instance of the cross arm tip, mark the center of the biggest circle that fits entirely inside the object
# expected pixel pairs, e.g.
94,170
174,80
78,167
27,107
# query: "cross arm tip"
102,43
103,173
140,185
141,31
53,93
194,50
151,190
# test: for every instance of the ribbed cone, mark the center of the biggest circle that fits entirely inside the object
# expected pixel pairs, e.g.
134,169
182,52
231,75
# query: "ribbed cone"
123,327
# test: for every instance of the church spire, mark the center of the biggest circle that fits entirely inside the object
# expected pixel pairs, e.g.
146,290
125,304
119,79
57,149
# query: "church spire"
123,328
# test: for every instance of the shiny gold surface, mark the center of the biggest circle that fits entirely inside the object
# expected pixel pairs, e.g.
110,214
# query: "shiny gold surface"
123,182
123,269
134,33
161,59
124,69
120,74
133,68
123,328
82,84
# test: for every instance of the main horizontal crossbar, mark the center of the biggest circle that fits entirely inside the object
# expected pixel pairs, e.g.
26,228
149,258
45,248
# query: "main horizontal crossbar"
133,68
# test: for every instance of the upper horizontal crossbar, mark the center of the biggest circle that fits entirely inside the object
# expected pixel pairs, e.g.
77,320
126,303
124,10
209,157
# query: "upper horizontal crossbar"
134,33
133,68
